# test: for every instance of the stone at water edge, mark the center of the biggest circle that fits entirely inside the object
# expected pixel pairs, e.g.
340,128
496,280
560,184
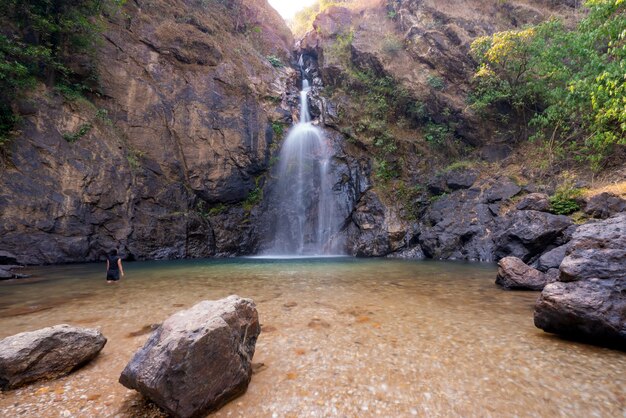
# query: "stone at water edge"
47,353
513,273
589,300
594,309
198,359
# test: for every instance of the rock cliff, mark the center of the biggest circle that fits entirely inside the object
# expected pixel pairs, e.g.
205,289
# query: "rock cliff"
182,131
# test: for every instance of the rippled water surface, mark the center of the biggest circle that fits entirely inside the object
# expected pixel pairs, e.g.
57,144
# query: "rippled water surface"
341,337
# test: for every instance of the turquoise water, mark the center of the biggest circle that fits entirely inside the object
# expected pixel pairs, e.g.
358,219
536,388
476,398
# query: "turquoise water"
341,337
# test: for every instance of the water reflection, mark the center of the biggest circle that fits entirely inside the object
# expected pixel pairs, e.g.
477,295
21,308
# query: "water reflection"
341,337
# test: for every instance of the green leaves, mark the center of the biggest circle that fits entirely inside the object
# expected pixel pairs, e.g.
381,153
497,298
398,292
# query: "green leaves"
569,85
39,41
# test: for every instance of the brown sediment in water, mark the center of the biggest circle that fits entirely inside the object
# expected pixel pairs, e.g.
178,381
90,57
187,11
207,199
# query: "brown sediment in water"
439,345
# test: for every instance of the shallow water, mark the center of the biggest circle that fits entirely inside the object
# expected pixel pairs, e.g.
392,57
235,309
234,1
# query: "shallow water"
341,337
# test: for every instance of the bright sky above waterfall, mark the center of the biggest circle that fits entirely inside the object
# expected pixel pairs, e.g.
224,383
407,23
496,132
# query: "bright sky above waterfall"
288,8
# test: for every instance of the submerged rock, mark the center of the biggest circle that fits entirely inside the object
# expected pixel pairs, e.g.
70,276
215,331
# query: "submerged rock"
514,274
589,299
198,359
47,353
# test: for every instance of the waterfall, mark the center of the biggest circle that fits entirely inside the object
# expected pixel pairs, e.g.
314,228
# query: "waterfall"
306,221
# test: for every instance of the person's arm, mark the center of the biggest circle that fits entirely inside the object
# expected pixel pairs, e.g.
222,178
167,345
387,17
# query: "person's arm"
119,264
107,264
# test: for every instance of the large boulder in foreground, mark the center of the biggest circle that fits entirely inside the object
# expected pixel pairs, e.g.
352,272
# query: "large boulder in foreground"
198,359
589,300
514,274
47,353
594,309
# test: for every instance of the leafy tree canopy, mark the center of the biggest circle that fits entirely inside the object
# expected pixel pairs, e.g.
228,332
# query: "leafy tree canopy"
570,85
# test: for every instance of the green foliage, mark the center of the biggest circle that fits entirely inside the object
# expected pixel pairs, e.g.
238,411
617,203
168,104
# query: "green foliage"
563,202
278,128
568,85
253,199
437,134
340,49
83,130
436,82
218,209
134,157
39,40
275,61
384,170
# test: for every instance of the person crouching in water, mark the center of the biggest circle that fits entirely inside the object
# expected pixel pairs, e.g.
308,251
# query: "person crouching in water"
114,267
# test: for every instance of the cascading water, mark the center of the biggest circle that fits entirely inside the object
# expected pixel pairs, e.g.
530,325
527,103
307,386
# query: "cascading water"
306,222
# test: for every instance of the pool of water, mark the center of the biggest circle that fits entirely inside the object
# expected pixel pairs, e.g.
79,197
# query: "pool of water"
341,337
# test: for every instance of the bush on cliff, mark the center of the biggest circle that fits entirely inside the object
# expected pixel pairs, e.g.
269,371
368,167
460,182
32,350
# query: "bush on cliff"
566,86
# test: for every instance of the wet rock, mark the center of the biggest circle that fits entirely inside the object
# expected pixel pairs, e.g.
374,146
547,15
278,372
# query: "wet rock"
47,353
597,250
514,274
461,178
593,309
527,233
198,359
604,205
535,201
552,259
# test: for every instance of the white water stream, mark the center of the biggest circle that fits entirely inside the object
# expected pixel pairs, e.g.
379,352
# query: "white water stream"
306,221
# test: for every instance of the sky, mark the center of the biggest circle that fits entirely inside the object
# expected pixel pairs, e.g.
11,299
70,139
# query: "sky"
288,8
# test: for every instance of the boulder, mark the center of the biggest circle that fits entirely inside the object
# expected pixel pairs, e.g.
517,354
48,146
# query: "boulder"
604,205
514,274
593,308
502,189
461,178
527,233
535,201
552,259
198,359
47,353
597,250
588,300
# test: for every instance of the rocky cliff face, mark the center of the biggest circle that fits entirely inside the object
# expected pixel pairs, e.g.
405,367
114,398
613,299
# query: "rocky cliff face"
175,158
413,56
176,141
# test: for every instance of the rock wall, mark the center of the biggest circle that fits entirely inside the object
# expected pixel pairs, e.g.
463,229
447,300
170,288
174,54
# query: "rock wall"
182,126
